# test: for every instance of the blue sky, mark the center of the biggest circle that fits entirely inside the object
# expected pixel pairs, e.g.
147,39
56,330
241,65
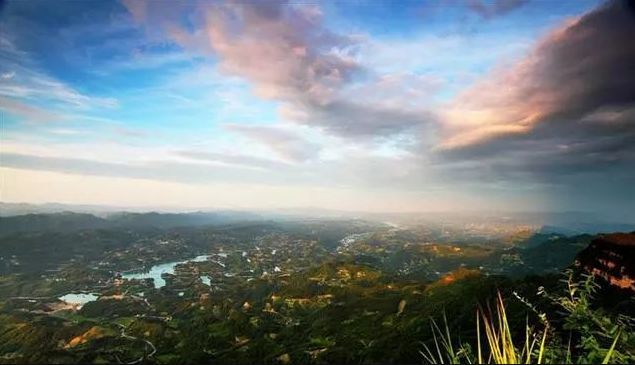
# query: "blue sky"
358,105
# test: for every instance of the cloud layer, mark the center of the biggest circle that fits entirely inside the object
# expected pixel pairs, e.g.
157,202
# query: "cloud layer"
329,94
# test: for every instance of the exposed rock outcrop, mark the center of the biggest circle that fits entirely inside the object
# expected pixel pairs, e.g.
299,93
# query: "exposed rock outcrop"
611,257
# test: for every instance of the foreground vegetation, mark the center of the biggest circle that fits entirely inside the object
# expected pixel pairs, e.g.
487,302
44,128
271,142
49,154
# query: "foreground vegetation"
593,336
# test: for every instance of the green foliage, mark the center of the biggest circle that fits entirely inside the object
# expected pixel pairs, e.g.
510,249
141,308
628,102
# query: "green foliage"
594,336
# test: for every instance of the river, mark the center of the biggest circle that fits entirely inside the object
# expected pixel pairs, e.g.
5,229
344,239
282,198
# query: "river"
157,271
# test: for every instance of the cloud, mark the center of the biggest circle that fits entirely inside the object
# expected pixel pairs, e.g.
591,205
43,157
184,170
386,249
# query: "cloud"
200,172
234,159
358,120
577,69
31,85
358,171
283,49
492,8
288,55
7,75
561,119
286,144
28,112
204,167
29,92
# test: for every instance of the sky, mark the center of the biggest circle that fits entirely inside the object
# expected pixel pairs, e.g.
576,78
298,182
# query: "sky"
383,106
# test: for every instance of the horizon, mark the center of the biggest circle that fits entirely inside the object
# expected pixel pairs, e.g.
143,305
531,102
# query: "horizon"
544,218
167,209
356,107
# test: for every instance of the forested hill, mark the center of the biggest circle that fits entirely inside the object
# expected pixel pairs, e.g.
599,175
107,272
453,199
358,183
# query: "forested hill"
69,222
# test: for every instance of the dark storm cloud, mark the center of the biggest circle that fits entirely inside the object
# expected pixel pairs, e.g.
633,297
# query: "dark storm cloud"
568,107
590,64
561,120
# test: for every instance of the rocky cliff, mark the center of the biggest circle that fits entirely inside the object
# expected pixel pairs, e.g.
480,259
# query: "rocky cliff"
611,257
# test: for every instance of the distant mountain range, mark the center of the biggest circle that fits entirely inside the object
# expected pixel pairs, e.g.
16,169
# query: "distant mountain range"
589,228
21,217
70,221
11,209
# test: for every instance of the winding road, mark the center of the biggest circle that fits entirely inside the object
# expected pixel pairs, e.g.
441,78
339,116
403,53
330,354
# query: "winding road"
132,338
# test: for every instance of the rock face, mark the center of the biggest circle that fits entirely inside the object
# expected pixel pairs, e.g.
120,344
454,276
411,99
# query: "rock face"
612,257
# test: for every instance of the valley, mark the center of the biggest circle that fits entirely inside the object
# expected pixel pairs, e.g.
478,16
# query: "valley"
303,291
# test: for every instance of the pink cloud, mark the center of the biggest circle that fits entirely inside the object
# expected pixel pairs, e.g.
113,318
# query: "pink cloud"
283,49
288,55
577,68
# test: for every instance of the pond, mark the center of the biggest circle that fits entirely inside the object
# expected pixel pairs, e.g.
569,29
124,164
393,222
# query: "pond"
206,280
79,298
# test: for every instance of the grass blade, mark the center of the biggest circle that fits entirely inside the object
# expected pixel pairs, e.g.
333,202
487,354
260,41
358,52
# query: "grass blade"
542,346
478,338
607,358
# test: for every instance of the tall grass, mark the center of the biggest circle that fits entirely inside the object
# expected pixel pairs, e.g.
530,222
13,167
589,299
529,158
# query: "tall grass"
501,344
498,346
444,352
